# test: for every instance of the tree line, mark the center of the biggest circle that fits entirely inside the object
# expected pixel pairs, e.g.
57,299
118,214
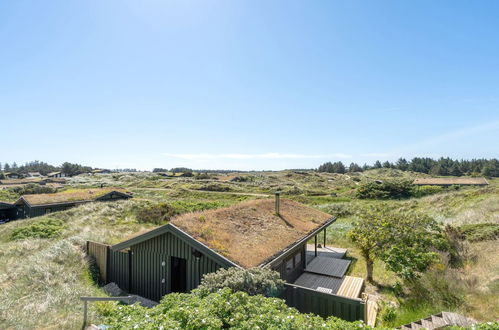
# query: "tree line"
43,168
442,166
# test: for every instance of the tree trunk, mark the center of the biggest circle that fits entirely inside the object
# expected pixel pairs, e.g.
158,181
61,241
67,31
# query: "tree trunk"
369,269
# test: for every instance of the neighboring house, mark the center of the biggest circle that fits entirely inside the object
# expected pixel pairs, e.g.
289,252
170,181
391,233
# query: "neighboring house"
56,175
101,171
12,175
34,175
29,206
7,211
450,182
257,233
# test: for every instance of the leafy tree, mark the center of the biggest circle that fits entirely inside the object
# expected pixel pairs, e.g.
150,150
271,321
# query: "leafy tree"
329,167
405,240
387,164
252,281
377,164
6,167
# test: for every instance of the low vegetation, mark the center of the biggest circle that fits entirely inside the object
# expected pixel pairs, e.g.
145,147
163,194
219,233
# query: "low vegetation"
218,310
253,281
45,228
41,279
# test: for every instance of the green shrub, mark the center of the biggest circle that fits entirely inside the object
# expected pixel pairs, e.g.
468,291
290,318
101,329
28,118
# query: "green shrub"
156,213
389,314
46,228
480,231
396,189
33,188
421,191
252,281
219,310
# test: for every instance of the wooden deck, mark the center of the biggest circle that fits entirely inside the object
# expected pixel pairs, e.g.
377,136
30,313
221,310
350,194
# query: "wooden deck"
348,286
328,251
351,287
328,266
315,281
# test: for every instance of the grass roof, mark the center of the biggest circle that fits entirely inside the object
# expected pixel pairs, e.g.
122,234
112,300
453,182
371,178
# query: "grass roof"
249,233
450,181
71,195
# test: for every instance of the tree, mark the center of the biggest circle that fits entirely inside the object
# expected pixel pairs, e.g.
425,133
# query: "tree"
402,164
403,239
0,167
354,168
6,167
329,167
377,164
387,164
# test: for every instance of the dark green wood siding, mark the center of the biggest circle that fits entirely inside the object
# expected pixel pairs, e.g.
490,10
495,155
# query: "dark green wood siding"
151,275
324,304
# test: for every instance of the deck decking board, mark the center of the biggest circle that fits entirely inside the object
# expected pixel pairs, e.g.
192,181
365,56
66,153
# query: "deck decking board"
351,287
328,266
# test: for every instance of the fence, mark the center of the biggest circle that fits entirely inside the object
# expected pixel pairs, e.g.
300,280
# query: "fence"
324,304
100,252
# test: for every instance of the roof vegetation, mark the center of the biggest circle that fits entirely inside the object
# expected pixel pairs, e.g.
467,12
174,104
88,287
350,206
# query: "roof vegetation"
71,195
251,232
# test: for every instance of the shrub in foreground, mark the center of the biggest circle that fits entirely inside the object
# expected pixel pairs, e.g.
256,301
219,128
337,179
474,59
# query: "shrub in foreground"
221,309
253,281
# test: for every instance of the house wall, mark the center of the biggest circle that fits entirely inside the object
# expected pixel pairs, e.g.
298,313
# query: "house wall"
151,274
292,265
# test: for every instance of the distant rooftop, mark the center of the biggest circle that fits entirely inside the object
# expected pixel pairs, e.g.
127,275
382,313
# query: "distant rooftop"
74,195
450,181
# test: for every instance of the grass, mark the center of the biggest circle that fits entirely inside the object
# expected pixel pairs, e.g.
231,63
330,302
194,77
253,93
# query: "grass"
41,279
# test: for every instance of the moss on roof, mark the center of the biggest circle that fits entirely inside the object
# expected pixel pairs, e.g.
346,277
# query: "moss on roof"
71,195
251,232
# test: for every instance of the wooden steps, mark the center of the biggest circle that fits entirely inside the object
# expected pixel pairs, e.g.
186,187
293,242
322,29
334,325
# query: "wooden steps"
440,320
372,311
351,287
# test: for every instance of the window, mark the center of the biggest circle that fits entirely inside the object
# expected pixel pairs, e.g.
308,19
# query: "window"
289,264
47,211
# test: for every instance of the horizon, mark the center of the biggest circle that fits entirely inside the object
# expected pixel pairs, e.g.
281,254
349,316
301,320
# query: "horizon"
247,85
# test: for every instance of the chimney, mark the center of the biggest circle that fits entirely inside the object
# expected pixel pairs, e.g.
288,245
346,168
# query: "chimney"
277,201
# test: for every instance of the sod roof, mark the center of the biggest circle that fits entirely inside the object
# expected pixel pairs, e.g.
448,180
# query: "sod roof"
250,233
72,195
450,181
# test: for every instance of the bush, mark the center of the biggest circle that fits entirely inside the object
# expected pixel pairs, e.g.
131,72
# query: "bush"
253,281
480,231
385,190
421,191
157,213
46,228
33,188
219,310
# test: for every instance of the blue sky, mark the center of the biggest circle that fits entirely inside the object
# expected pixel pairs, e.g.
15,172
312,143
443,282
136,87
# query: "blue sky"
247,84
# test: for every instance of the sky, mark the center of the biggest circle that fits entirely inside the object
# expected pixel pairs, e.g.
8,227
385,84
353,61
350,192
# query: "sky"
247,84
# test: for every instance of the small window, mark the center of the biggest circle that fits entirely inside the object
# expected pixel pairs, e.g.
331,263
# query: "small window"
47,211
289,264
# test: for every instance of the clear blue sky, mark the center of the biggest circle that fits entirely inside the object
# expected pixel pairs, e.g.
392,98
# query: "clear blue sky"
247,84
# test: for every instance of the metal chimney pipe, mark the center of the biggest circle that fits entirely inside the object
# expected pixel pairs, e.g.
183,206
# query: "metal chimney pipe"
277,202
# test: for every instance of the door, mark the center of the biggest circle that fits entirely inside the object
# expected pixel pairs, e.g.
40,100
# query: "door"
178,274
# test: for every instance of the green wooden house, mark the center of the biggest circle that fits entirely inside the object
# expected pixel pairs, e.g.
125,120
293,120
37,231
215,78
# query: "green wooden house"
29,206
282,235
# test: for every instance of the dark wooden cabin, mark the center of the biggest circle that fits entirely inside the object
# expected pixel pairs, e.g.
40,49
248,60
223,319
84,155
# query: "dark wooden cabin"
7,211
29,206
174,257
